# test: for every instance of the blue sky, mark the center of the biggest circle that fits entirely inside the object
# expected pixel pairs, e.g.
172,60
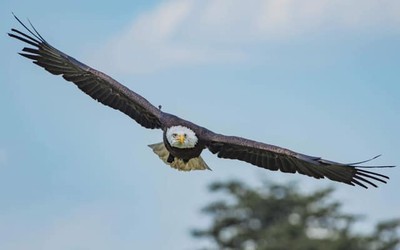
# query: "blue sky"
320,77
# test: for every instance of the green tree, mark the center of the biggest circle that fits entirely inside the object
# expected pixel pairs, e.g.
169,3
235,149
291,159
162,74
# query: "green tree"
281,217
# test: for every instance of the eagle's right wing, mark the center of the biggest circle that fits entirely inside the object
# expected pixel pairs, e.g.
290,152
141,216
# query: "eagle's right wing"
96,84
277,158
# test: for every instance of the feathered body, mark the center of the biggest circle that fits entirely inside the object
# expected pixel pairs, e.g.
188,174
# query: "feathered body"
183,141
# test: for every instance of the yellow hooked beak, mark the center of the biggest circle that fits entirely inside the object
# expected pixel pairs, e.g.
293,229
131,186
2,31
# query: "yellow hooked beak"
181,139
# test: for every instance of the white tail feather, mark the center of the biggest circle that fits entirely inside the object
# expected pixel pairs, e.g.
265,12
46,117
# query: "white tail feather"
193,164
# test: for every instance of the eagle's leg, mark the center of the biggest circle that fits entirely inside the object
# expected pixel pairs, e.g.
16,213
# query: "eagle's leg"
182,165
171,158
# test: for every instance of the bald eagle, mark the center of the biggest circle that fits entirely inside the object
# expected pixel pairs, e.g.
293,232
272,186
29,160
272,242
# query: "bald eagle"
183,141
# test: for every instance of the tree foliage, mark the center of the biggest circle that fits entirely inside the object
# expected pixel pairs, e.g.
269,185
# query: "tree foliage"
281,217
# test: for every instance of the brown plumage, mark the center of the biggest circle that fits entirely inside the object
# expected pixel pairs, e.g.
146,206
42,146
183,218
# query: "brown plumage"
111,93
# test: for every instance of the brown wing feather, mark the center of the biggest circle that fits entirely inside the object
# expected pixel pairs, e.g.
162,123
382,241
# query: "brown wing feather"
96,84
276,158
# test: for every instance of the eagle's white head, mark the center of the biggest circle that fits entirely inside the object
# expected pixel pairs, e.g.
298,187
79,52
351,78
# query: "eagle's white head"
181,137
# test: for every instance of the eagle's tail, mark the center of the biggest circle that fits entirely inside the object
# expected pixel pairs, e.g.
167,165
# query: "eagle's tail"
193,164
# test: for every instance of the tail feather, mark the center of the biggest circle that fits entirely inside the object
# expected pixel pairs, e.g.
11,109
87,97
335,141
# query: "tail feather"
193,164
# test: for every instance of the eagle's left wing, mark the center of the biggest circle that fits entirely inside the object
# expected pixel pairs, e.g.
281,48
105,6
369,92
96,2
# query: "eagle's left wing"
94,83
276,158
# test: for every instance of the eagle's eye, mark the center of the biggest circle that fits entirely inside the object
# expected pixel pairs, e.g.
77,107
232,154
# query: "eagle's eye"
185,135
174,135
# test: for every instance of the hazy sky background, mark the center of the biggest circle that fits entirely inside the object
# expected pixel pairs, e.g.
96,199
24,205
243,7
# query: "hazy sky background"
319,77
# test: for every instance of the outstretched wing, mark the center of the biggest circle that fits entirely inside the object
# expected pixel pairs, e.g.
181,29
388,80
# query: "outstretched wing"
276,158
96,84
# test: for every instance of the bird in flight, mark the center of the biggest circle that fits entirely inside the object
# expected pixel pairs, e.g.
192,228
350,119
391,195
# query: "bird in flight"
184,141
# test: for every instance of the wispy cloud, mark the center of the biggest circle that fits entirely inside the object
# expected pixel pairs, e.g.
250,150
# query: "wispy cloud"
181,32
